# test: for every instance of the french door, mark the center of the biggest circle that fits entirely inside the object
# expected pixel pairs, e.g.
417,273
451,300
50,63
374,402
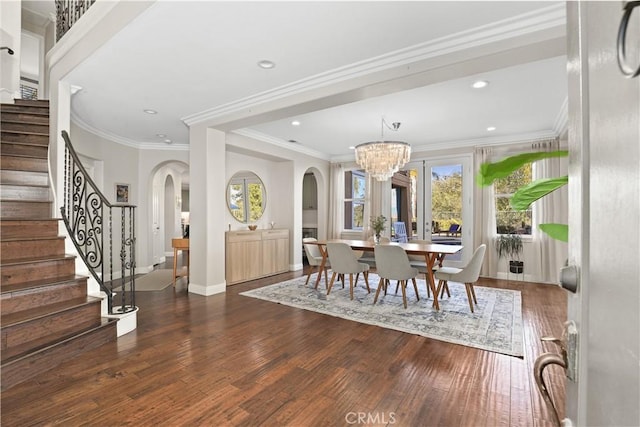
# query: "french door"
443,204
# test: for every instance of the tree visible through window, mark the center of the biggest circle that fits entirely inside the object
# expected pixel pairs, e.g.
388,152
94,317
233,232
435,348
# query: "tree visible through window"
354,199
508,220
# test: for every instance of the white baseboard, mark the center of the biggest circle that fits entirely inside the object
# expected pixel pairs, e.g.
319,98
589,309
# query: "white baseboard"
127,322
296,267
206,291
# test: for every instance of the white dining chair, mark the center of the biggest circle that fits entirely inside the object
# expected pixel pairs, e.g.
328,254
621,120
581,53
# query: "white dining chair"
392,263
418,262
314,257
344,261
467,275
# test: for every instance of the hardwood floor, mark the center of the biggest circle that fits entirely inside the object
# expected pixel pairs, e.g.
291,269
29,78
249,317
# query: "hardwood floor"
232,360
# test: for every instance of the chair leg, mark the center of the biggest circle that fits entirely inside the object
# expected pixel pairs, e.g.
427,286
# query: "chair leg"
326,278
380,285
426,282
403,287
357,277
473,292
415,287
366,281
333,277
397,285
445,287
469,297
351,285
386,283
309,275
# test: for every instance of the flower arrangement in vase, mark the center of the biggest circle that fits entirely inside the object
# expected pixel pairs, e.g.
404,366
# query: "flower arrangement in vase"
378,226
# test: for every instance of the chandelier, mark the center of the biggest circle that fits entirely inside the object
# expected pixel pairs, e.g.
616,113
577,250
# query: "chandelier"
381,159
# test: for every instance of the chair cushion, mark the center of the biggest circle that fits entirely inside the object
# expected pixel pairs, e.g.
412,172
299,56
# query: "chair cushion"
446,273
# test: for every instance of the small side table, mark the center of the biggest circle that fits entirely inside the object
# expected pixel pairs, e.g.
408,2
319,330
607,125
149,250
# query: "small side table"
179,245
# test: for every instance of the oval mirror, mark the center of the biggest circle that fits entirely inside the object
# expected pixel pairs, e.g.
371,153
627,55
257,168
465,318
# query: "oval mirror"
246,196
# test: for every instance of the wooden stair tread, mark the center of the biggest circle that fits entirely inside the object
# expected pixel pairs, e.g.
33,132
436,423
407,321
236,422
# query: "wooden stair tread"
29,143
36,259
24,201
26,239
25,132
34,284
35,347
12,319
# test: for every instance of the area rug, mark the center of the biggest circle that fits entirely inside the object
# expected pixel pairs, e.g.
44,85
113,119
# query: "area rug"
496,324
157,280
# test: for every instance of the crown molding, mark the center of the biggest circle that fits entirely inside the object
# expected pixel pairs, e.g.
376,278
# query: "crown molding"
126,141
540,20
250,133
561,123
469,143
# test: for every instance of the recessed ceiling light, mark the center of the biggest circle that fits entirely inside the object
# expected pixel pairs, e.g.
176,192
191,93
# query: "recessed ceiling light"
295,123
266,64
480,84
352,148
293,141
160,135
150,111
491,128
168,141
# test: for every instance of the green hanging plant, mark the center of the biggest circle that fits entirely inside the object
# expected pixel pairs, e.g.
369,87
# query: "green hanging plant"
525,196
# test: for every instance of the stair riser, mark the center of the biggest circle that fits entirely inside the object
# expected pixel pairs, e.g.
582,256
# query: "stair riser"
58,324
13,250
26,128
26,299
26,193
24,164
20,116
9,177
24,150
33,109
28,229
52,269
15,372
32,102
25,210
24,138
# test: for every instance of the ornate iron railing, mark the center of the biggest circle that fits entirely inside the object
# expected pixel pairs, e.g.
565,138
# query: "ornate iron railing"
97,233
68,12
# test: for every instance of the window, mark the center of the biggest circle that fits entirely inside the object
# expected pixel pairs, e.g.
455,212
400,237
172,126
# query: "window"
509,221
354,198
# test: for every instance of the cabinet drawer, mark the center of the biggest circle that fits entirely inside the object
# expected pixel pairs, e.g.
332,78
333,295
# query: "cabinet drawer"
242,236
275,234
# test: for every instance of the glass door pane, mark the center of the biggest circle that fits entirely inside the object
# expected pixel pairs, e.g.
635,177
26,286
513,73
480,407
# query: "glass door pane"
446,205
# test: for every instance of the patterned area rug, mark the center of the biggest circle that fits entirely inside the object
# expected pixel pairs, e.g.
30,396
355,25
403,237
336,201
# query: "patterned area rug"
496,324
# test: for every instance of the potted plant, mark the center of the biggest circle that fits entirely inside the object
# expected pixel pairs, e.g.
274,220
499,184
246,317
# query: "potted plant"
510,246
377,224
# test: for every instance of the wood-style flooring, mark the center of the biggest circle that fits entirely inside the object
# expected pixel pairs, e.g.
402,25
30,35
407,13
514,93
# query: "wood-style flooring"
233,360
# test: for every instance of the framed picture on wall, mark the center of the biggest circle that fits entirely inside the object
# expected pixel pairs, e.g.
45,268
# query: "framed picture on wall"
122,192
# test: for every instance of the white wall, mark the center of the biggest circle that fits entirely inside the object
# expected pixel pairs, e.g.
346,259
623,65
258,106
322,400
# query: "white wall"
129,165
10,36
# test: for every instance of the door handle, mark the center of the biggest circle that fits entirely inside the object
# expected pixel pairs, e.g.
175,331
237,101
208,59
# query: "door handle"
567,359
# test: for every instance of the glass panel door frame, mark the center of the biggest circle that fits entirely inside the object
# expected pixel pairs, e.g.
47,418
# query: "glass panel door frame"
424,203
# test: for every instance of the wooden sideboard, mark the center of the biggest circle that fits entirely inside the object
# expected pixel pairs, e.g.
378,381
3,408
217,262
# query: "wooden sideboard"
254,254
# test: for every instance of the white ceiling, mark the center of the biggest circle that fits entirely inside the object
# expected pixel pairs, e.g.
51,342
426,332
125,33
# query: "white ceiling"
340,67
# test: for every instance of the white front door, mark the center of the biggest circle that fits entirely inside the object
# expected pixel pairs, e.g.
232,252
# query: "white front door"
604,216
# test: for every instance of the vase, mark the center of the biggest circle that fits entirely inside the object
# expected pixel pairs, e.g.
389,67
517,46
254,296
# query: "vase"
376,239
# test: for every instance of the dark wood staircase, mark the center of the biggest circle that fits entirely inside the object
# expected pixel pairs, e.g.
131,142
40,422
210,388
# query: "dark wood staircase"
46,315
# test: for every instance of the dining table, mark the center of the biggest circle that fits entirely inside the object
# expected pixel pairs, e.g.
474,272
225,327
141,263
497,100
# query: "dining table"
434,253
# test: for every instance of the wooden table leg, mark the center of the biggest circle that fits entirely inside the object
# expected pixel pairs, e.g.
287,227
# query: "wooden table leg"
323,251
430,260
175,265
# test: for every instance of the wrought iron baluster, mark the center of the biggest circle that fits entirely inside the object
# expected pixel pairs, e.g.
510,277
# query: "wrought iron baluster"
84,216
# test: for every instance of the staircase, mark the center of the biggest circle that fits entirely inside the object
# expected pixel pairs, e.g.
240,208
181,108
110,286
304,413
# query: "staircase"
46,315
